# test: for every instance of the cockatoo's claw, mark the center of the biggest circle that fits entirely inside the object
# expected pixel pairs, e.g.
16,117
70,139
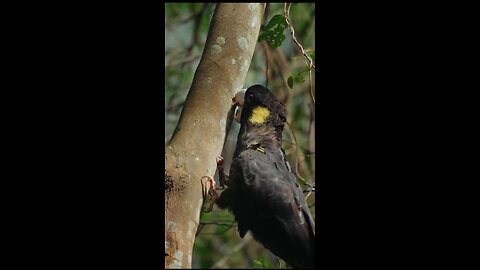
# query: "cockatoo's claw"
209,187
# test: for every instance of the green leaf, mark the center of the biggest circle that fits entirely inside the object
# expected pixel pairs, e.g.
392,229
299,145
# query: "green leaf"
273,31
290,82
277,19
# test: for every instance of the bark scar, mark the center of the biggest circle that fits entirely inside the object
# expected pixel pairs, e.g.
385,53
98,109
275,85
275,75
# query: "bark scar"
208,58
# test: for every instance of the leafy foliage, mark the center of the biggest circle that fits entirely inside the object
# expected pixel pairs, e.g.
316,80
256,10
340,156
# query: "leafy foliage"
273,32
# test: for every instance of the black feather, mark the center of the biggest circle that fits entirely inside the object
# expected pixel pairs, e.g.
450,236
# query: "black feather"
262,192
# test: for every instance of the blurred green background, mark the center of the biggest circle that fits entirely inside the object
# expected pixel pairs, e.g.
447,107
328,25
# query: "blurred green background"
186,26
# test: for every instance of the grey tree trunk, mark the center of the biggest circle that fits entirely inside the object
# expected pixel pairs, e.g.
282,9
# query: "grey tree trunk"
199,136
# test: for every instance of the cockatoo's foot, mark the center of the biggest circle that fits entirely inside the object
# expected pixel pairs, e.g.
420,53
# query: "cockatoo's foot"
208,186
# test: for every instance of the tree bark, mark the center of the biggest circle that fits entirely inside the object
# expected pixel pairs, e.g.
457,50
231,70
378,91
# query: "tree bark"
199,136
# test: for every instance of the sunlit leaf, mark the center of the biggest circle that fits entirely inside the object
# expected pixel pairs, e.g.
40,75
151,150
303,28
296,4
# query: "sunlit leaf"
273,32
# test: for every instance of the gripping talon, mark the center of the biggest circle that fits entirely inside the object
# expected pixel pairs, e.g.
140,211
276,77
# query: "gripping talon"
222,178
211,190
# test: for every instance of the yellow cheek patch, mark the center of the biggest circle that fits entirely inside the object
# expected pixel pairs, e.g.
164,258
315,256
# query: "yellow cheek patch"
259,115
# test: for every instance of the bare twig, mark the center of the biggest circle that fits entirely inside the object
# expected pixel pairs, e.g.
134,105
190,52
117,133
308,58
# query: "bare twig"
217,223
311,136
189,58
200,227
310,189
218,233
311,65
311,85
309,193
296,156
286,12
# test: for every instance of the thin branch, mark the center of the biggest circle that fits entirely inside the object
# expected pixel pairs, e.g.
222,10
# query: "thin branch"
217,223
311,136
217,233
302,150
311,85
310,189
200,227
189,58
286,12
311,65
296,156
